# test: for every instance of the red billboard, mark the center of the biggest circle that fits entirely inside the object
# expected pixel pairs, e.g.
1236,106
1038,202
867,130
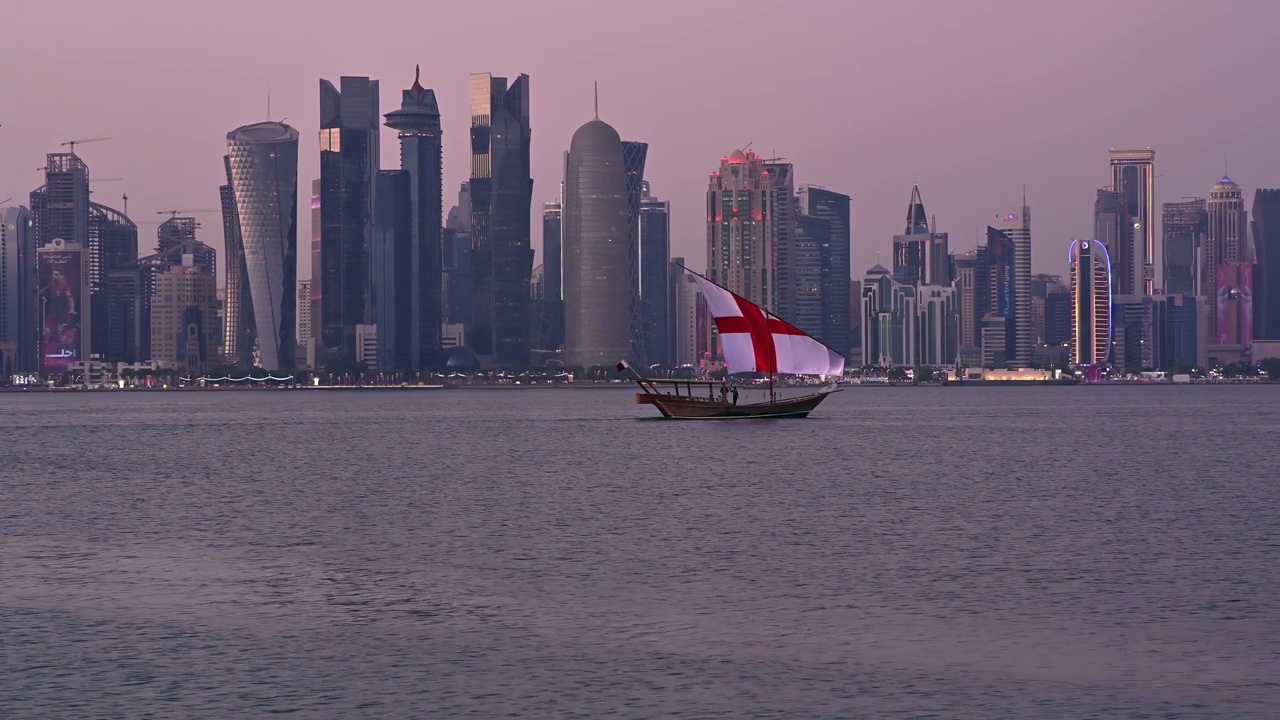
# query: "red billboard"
62,311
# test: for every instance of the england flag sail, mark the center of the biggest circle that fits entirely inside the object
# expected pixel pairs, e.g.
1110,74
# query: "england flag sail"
755,341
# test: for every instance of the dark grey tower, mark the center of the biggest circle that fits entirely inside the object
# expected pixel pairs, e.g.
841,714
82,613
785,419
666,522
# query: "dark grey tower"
1185,227
417,124
634,155
349,159
501,197
596,252
264,182
1113,227
654,281
1266,275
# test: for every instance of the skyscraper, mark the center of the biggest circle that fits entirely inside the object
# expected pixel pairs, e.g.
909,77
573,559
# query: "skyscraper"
551,311
113,245
1225,244
349,159
597,252
741,232
304,317
417,124
60,207
634,155
794,277
967,287
392,263
264,183
803,283
1133,176
920,255
834,248
653,263
239,331
1090,303
501,198
1185,227
459,287
1266,276
1115,228
18,287
1016,226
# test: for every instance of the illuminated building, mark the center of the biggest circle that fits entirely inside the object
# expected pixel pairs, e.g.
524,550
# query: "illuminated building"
741,233
1133,176
1090,302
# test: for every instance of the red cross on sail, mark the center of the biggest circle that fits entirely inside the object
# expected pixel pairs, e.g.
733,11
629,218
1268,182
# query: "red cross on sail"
755,341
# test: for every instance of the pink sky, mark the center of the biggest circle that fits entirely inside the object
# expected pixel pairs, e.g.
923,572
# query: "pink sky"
970,98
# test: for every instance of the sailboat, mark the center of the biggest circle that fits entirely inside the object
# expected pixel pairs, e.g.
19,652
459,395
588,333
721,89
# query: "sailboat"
753,341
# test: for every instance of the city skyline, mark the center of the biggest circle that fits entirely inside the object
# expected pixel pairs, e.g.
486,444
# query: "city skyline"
970,164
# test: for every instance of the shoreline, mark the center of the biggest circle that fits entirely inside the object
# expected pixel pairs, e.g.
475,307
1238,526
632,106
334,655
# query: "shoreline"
623,386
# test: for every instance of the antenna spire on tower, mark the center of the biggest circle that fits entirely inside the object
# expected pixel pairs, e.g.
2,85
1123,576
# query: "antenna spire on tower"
597,89
268,102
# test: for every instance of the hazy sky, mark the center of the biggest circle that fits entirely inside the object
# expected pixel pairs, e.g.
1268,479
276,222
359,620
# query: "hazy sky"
972,99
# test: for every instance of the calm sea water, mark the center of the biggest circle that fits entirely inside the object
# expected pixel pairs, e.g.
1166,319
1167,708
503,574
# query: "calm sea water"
916,552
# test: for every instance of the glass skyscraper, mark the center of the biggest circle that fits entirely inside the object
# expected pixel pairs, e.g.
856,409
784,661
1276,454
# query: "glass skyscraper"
349,160
654,263
598,248
417,125
18,287
833,209
1266,276
501,192
264,183
1185,228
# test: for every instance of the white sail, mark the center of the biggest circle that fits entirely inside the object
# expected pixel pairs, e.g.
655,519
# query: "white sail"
755,341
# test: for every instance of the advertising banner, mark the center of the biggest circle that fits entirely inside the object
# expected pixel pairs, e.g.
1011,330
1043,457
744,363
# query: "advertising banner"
61,308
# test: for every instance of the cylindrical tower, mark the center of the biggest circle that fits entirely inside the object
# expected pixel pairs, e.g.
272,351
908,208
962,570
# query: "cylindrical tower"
595,255
264,181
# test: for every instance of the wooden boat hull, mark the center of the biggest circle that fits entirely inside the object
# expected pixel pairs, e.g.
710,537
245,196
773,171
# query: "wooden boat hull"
678,407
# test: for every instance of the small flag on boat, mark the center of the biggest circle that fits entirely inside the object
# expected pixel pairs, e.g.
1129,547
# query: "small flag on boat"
622,366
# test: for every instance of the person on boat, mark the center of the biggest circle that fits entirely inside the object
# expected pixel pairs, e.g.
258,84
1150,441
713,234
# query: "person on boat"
724,392
735,394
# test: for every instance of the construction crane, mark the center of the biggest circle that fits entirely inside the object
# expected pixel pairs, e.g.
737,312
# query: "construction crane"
176,213
74,143
97,179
